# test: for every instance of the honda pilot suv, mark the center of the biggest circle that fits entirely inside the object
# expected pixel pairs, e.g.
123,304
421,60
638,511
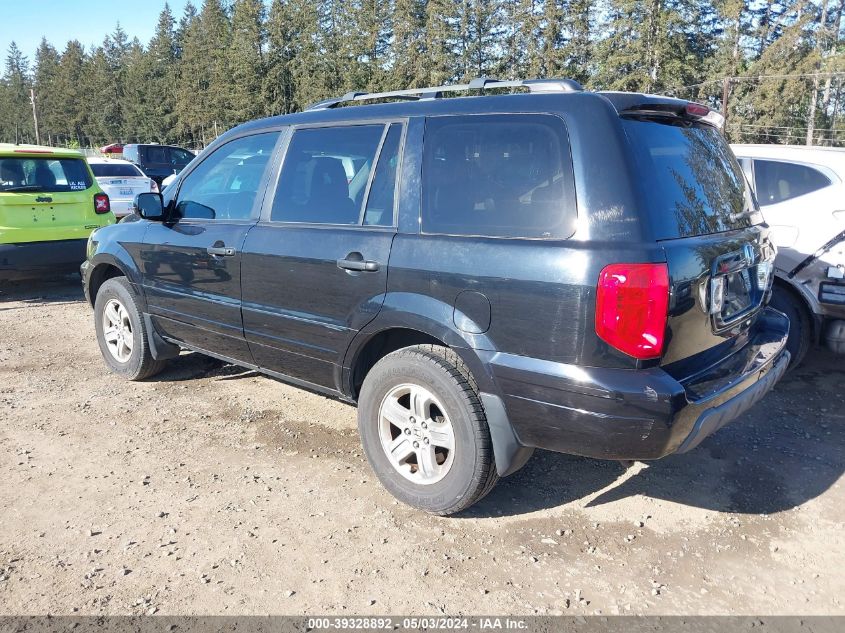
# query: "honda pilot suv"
575,271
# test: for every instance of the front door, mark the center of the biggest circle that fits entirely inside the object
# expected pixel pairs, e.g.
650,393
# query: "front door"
191,264
315,267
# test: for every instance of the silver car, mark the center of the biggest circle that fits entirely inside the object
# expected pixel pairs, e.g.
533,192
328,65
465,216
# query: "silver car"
121,180
801,191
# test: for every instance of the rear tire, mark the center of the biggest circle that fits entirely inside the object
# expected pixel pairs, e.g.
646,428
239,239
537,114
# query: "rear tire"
800,323
424,431
122,333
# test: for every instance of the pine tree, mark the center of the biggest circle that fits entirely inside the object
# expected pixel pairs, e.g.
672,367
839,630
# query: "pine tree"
282,46
44,84
407,50
245,60
72,95
442,41
17,117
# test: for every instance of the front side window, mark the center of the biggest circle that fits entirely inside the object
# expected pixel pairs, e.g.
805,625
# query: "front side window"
48,175
777,181
325,174
225,185
498,176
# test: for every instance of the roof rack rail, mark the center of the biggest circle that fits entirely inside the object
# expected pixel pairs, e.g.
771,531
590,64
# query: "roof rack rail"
436,92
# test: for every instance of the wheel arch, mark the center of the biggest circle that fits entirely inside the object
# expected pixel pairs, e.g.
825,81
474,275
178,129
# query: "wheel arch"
103,268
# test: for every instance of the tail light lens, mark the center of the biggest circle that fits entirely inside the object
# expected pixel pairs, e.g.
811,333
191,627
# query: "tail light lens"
153,186
632,305
101,203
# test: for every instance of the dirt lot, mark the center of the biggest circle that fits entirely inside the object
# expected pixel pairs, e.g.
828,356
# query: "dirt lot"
210,490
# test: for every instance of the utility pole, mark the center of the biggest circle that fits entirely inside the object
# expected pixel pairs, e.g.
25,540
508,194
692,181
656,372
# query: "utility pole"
34,116
726,90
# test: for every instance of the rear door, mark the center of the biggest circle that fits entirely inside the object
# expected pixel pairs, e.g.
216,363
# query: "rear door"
155,161
797,201
191,264
315,267
701,211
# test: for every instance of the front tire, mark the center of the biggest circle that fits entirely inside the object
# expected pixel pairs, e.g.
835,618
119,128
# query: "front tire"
121,332
800,323
424,431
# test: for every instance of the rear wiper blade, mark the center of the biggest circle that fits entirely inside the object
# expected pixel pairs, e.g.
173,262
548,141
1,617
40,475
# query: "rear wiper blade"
23,188
733,217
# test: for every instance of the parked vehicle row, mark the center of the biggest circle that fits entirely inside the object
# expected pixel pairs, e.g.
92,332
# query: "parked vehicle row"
568,270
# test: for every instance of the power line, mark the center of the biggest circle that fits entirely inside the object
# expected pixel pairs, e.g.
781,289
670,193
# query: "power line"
758,77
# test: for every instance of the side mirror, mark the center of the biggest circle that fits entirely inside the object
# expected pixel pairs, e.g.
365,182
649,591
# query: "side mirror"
149,205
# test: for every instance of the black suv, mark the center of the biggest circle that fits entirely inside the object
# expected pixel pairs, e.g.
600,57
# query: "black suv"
158,161
575,271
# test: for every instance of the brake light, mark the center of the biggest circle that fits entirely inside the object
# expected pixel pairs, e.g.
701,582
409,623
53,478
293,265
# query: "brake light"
632,305
696,109
101,203
153,186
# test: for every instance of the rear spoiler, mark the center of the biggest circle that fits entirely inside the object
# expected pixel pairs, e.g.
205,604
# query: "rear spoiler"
690,111
642,105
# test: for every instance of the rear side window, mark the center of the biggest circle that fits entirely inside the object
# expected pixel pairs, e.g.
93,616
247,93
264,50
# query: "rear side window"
325,175
689,177
777,181
44,174
156,154
115,170
498,176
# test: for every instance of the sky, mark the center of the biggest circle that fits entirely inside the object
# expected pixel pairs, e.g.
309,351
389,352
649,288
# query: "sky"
26,21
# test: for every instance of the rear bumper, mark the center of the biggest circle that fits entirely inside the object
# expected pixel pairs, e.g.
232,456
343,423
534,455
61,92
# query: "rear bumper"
637,414
26,260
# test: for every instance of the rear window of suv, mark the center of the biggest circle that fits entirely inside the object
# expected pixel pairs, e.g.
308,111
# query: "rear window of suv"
115,170
691,181
507,175
25,174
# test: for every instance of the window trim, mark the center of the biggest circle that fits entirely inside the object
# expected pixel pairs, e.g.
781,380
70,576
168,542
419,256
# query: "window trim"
270,196
567,153
822,169
261,194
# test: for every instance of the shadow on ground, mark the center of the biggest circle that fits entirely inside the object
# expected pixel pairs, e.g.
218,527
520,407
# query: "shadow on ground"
43,290
784,452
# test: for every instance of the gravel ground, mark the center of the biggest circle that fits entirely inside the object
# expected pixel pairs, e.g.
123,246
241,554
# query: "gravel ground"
213,490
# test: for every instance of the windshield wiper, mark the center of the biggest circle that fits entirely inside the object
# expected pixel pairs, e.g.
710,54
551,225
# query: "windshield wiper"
23,188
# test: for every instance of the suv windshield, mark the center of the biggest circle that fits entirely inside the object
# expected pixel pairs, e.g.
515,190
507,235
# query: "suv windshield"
692,182
43,174
112,170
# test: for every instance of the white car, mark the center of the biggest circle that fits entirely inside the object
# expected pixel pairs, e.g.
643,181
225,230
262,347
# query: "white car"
801,191
121,180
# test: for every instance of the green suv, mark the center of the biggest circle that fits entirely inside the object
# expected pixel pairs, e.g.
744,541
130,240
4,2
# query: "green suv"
49,204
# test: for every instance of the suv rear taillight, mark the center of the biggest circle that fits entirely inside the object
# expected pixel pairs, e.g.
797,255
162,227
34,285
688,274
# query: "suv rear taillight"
101,203
632,303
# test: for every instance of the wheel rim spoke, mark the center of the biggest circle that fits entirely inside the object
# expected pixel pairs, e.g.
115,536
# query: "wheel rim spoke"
442,435
400,449
117,331
427,461
395,413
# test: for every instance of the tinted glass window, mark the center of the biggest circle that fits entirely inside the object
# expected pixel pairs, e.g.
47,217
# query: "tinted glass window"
113,170
224,186
690,178
155,154
180,156
498,175
44,174
380,202
777,181
325,174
